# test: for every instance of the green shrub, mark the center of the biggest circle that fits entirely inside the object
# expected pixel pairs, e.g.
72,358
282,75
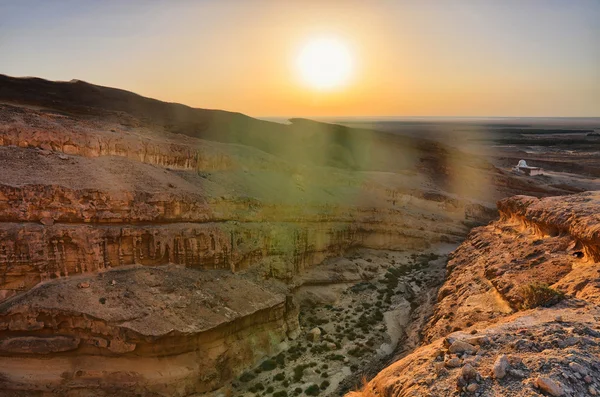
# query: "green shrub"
270,390
282,393
299,372
312,390
538,294
257,387
268,365
279,377
324,385
247,377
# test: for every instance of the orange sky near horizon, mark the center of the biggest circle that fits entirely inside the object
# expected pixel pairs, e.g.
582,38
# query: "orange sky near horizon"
429,58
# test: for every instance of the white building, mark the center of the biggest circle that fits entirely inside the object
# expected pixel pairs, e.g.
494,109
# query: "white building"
523,168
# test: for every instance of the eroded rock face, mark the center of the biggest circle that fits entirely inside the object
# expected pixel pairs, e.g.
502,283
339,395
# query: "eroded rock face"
149,248
159,325
521,350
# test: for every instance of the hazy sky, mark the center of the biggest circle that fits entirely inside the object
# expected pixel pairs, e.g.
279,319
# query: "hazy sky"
411,58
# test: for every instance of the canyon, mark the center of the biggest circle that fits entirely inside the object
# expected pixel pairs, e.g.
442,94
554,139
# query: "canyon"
152,249
518,313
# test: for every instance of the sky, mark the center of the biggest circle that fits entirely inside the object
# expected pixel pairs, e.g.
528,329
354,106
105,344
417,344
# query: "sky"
409,58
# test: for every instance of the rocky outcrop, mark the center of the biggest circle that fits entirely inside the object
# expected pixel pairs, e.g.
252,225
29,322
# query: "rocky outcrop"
161,241
150,330
522,294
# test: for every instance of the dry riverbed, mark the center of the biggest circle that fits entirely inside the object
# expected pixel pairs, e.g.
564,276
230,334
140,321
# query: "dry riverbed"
350,329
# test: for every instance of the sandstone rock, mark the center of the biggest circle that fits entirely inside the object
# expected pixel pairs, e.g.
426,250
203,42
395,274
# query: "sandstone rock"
578,368
314,334
38,345
479,340
453,362
468,372
500,366
549,386
592,391
47,221
472,387
84,284
461,347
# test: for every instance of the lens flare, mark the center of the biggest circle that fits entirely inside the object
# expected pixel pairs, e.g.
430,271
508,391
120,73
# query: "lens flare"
325,63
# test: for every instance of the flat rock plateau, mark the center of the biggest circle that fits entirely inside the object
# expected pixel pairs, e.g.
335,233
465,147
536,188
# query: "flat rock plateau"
153,249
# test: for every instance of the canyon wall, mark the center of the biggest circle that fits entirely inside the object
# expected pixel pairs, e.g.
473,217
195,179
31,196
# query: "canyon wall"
150,248
518,314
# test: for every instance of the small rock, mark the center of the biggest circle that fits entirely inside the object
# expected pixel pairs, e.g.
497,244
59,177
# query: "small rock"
331,346
47,221
472,387
314,334
578,368
549,386
500,367
462,347
592,391
517,373
453,362
587,379
479,340
63,157
468,372
84,284
113,282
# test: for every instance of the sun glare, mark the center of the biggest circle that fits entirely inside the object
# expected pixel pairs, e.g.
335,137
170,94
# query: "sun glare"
325,63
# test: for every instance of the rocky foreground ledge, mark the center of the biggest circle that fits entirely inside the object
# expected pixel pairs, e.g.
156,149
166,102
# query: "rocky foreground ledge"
519,313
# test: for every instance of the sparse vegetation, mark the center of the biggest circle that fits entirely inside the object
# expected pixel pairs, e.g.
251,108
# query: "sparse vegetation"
539,294
247,377
268,365
312,390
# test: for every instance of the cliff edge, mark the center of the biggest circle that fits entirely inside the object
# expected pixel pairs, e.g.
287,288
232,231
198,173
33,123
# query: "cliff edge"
519,312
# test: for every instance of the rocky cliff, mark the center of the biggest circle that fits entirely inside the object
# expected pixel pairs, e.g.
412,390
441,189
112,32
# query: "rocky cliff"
519,312
163,241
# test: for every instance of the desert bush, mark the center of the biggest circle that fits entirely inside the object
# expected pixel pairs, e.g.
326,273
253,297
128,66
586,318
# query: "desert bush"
312,390
539,294
268,365
257,387
299,372
279,377
324,384
247,377
281,393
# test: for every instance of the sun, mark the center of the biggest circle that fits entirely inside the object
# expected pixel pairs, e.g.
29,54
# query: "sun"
325,63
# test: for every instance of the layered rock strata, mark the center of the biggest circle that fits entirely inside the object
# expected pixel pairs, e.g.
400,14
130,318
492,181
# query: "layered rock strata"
497,328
